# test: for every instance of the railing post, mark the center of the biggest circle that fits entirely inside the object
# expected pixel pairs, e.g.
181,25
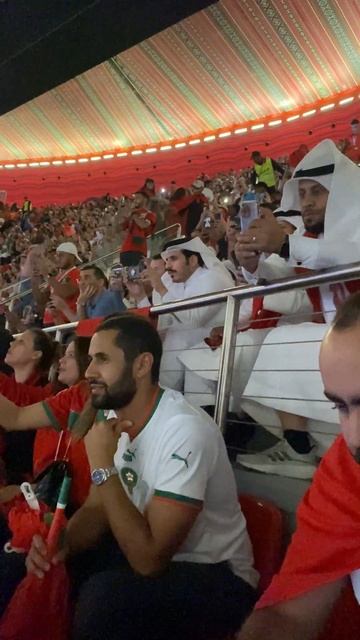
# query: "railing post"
226,362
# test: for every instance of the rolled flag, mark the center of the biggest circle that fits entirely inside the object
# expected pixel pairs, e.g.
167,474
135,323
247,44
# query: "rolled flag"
41,609
58,520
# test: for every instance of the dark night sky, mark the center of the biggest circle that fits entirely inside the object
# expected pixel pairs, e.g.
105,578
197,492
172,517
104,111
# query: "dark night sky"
44,43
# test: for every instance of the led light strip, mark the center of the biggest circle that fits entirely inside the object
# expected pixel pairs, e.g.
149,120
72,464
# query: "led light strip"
209,137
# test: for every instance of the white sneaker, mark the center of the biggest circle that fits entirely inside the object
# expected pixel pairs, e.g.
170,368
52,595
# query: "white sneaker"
281,460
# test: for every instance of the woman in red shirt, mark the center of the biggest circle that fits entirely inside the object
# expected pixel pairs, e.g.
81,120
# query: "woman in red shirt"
30,356
66,406
50,440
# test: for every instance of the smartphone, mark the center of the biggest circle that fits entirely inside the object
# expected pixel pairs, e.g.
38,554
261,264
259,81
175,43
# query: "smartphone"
207,222
117,271
249,211
134,272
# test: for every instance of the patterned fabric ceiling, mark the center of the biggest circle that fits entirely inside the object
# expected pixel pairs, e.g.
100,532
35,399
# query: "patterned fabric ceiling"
236,61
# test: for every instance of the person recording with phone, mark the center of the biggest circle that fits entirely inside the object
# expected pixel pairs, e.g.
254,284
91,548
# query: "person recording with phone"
139,224
323,188
212,230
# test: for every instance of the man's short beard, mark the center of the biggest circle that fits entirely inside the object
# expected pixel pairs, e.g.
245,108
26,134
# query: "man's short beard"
119,395
316,228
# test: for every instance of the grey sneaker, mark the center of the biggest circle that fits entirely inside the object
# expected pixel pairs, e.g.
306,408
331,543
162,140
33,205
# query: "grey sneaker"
281,460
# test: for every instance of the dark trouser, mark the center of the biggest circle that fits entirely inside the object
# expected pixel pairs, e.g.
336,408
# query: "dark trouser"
130,258
189,601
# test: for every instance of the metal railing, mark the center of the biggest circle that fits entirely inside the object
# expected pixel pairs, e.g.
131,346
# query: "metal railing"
156,241
26,292
233,297
154,246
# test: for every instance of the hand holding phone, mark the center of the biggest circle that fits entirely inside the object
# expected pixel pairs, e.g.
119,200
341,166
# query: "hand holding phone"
249,211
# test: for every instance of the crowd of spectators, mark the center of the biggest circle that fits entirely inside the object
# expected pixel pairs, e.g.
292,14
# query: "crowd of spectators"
54,255
235,228
44,248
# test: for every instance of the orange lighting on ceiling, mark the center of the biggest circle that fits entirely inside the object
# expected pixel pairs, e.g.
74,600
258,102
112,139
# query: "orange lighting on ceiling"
279,119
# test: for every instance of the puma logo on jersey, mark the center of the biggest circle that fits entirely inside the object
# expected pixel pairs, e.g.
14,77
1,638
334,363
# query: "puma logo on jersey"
174,456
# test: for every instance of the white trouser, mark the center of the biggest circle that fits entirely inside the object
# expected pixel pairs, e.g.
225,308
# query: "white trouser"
286,377
202,368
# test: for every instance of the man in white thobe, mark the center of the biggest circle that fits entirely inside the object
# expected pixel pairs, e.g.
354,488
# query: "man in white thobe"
285,378
194,265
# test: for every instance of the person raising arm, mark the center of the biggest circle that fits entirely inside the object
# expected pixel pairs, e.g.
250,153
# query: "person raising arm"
22,418
59,411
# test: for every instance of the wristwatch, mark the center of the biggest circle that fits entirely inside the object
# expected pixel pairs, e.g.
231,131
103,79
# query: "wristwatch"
99,476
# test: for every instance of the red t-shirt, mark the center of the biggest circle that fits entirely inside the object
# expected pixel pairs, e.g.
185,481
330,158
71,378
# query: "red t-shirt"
63,410
22,394
136,237
69,230
72,275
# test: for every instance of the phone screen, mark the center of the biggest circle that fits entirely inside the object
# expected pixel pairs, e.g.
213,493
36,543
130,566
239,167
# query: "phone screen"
249,211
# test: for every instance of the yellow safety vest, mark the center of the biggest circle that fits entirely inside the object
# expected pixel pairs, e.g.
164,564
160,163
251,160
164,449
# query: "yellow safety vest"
27,206
266,173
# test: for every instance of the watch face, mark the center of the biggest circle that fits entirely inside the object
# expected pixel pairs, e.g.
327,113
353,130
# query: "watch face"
98,476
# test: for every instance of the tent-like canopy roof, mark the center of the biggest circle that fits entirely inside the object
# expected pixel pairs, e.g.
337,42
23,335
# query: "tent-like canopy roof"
236,62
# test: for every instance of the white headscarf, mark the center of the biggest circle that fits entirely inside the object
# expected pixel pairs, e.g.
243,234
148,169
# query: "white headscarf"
296,221
208,255
334,171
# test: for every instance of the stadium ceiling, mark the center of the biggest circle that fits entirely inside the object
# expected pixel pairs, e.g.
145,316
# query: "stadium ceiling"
231,63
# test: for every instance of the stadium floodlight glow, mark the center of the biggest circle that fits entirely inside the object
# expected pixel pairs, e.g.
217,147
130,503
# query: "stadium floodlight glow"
274,123
257,126
165,147
151,150
180,144
57,162
34,164
209,138
82,160
346,100
9,166
309,113
21,165
122,154
291,118
242,130
136,152
70,161
327,107
108,156
195,141
225,134
95,158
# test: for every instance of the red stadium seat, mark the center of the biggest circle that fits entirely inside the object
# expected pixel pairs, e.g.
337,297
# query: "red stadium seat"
266,528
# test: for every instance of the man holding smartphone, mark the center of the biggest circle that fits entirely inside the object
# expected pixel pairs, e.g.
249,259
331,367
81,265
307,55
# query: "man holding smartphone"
325,187
139,224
